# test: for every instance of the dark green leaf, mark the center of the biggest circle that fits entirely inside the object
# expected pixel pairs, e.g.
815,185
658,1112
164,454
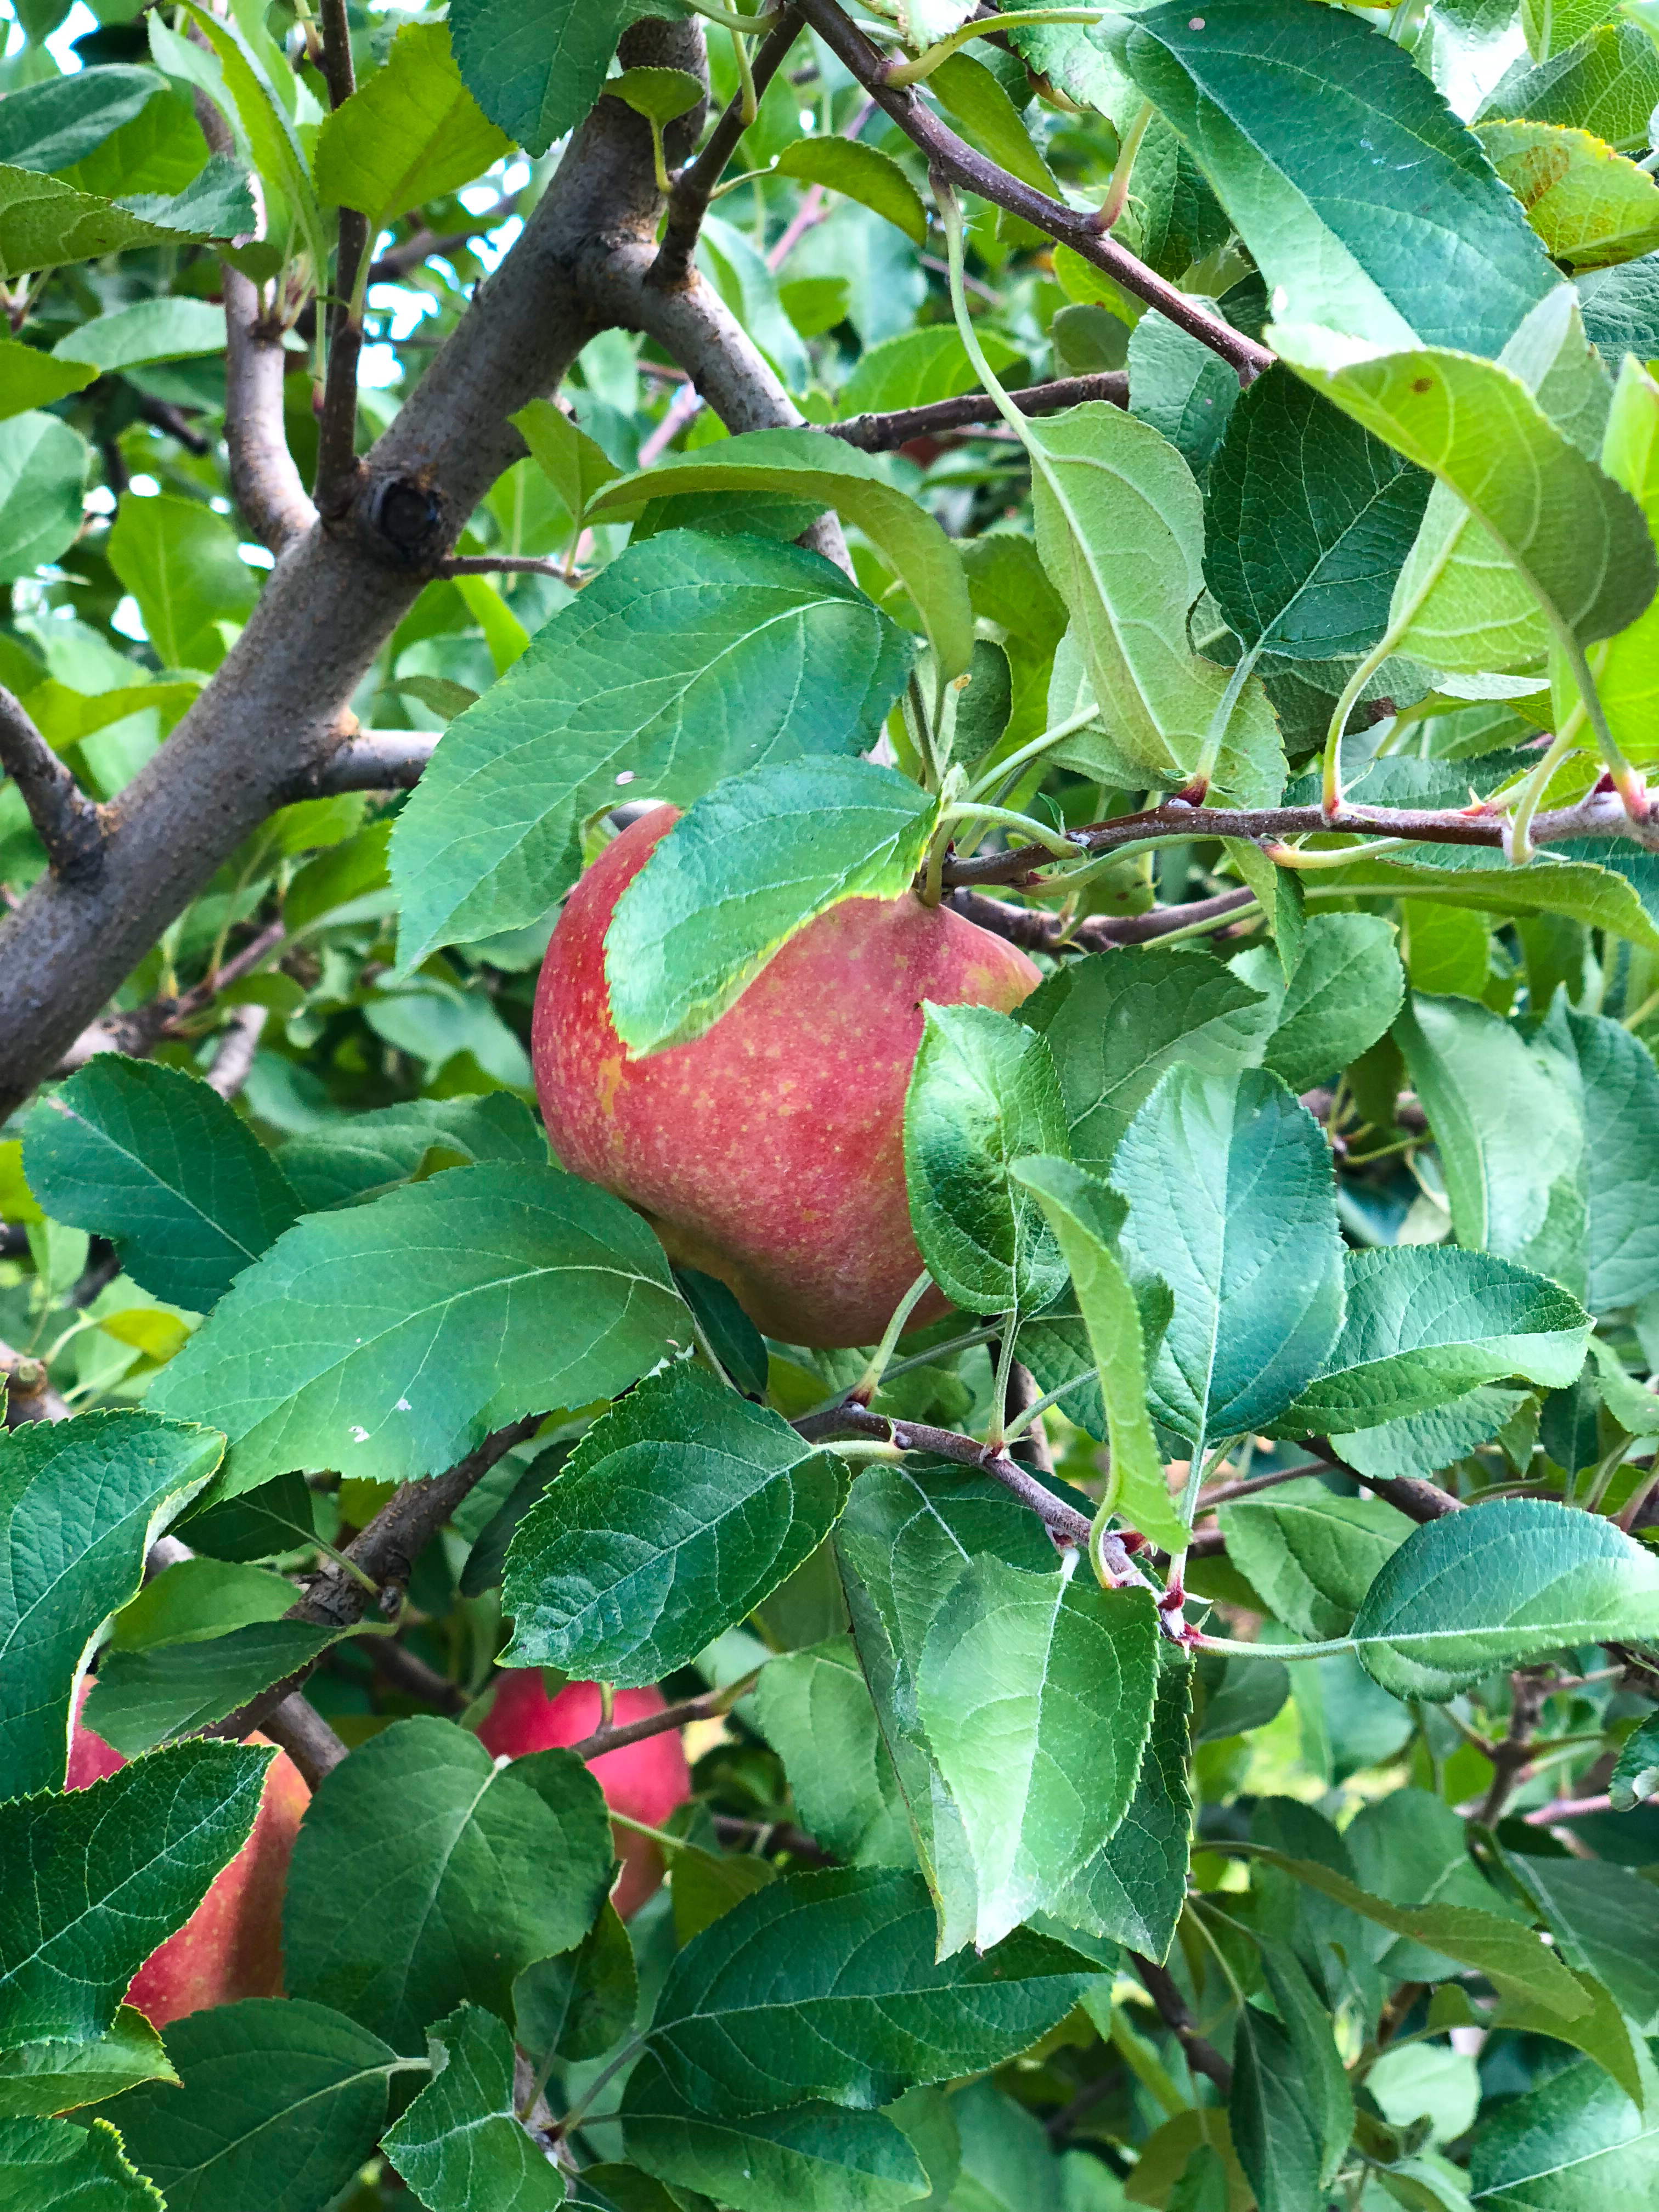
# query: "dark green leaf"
487,1559
1636,1778
52,2166
1617,1087
1606,84
581,2003
541,1289
158,1162
1574,2144
98,1877
58,2077
389,1144
281,2102
142,1699
1479,1591
80,1504
52,124
1180,386
1115,1021
752,653
1308,519
460,2141
1421,239
535,70
275,1517
983,1093
425,1874
1412,1847
1345,989
678,1513
815,1709
1290,2106
1311,1554
733,1338
1604,1920
749,866
825,1985
1230,1203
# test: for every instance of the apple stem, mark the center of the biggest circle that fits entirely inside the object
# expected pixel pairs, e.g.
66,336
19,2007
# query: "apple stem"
870,1381
995,1434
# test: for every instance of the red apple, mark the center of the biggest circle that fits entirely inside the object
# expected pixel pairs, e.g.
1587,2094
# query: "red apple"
231,1947
770,1151
645,1780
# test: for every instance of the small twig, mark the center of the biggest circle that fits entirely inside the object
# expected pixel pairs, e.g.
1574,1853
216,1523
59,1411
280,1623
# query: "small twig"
761,1837
164,416
336,428
1567,1809
140,1031
1046,933
708,1707
1418,1500
497,564
1177,2016
694,187
1032,1443
1248,1488
406,1671
425,244
372,760
233,1061
881,434
66,821
1529,1687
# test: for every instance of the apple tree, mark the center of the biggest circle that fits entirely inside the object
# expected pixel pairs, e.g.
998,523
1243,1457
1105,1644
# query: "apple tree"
830,1179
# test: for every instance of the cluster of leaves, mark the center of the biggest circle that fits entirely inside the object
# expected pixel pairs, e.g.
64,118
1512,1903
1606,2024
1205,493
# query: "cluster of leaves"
1331,1250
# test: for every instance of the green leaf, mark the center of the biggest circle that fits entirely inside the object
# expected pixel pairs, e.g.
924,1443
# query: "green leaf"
1232,1203
148,331
1482,1590
1577,890
1344,991
678,1512
1511,1140
1590,206
1607,83
1115,1021
1577,539
747,868
1424,1324
915,367
266,126
1308,519
982,1094
1290,2106
811,2156
1036,1690
1181,387
806,465
43,470
460,2140
635,679
1604,1920
426,1875
1624,667
53,2166
178,559
58,2077
1086,1219
579,2003
49,125
98,1877
658,94
281,2102
45,223
859,172
541,1289
574,466
1616,1084
1510,1956
1420,240
824,1985
195,1600
815,1710
408,134
355,1159
81,1503
142,1699
1311,1554
1577,2143
30,378
536,69
1411,1848
157,1162
275,1517
1120,526
1636,1778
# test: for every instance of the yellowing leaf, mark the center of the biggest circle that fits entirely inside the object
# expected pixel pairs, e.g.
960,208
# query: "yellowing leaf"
1589,205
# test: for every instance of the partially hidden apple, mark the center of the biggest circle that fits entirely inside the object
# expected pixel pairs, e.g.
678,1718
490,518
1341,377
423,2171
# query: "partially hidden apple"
768,1152
231,1947
645,1780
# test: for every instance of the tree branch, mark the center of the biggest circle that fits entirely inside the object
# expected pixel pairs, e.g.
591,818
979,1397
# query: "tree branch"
1046,932
374,760
497,564
1529,1687
1600,815
709,1707
881,434
694,187
29,1394
337,429
65,820
233,1061
1177,2016
141,1031
423,245
975,173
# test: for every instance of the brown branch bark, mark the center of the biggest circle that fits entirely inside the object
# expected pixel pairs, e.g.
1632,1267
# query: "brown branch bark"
1177,2016
263,729
142,1029
694,187
263,481
233,1061
497,564
374,760
67,823
407,1671
1529,1687
336,428
975,173
1046,932
708,1707
881,434
1601,815
29,1394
